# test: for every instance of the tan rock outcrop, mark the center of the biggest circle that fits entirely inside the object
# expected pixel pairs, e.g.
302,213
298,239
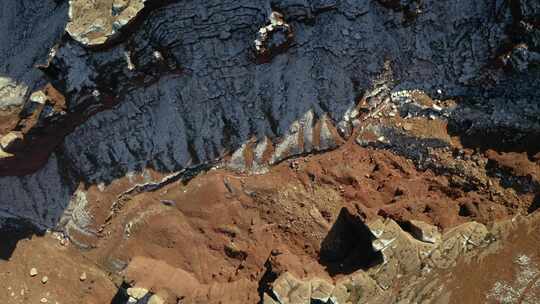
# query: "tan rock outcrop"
95,22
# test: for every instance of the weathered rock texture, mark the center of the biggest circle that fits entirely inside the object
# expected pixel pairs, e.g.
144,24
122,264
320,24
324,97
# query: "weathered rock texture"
103,101
189,88
417,267
405,259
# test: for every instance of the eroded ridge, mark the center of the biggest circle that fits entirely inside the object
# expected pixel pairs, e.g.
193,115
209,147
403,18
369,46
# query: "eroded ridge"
269,151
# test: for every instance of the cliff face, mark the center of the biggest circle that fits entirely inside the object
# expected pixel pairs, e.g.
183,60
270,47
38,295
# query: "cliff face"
103,100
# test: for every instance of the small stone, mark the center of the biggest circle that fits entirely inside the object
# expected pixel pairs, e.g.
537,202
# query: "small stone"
39,97
33,272
120,4
157,55
44,279
11,141
425,232
276,18
132,300
137,292
43,300
82,277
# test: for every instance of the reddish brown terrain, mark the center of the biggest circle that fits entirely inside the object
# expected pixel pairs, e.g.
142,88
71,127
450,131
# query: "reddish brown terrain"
214,238
269,152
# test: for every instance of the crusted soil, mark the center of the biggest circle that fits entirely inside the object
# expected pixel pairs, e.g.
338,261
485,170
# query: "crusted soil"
62,265
214,233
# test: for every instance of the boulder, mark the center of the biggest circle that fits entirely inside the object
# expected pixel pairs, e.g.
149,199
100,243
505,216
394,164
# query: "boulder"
290,290
425,232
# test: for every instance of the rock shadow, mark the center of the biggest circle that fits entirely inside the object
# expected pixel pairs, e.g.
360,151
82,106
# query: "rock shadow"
348,246
535,205
11,232
121,295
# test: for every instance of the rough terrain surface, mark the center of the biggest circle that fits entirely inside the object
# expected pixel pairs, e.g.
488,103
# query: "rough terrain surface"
271,151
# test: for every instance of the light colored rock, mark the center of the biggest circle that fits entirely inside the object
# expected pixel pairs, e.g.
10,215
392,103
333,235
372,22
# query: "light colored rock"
11,92
11,140
393,242
76,219
120,4
425,232
290,290
289,145
276,23
321,290
276,18
44,280
39,97
137,292
340,294
33,272
400,251
83,277
95,22
238,161
403,256
458,241
363,288
4,154
259,163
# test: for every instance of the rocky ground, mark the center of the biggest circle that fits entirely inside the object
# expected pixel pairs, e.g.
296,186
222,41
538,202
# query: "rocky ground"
375,230
280,151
